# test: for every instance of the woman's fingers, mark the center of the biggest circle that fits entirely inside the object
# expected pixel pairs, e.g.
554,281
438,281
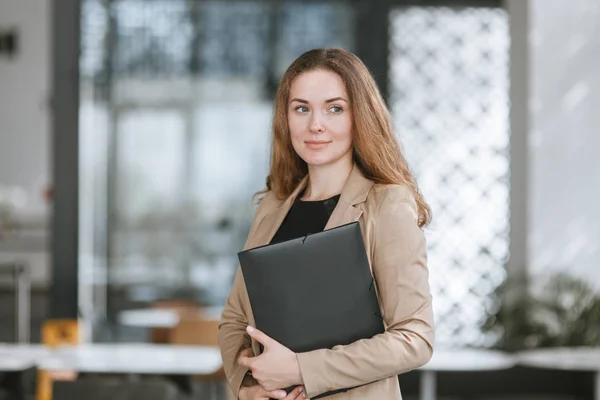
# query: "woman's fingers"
273,394
296,394
257,392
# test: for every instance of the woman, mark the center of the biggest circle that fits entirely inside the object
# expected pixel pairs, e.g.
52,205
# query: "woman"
335,160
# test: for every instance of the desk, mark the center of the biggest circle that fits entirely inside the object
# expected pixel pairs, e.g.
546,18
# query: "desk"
457,360
120,358
126,359
15,364
161,318
16,359
134,359
19,357
565,358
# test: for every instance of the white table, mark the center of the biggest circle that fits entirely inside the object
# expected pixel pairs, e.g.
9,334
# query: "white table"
159,318
460,360
134,359
19,357
16,358
565,358
15,364
118,358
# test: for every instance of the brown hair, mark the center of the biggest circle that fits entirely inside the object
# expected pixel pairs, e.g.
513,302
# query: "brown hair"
375,148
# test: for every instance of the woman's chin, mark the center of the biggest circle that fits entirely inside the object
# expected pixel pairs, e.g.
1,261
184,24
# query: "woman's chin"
318,161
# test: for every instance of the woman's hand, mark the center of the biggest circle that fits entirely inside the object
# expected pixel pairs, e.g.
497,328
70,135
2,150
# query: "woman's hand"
277,367
256,392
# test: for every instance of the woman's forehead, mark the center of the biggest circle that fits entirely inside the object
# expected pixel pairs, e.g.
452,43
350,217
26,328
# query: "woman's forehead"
318,85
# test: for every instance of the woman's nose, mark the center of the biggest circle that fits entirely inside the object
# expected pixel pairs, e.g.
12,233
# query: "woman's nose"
316,125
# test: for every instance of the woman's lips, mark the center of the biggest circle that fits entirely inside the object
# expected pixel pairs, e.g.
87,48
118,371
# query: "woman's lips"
316,144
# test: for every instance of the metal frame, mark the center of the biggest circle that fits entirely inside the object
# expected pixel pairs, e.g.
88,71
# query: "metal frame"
66,17
22,280
375,15
516,266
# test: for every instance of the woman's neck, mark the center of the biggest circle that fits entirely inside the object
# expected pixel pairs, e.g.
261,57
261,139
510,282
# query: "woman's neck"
325,181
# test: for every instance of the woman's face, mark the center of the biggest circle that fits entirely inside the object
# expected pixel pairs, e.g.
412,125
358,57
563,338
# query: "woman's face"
319,118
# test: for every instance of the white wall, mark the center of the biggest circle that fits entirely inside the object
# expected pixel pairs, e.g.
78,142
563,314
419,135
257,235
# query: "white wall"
24,123
565,137
24,98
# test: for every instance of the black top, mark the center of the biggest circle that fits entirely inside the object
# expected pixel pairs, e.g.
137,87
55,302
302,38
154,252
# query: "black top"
305,217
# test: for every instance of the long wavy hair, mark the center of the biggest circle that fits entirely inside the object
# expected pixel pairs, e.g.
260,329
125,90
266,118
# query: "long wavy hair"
375,148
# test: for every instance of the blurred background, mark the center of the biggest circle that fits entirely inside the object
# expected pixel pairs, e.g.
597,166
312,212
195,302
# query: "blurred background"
133,134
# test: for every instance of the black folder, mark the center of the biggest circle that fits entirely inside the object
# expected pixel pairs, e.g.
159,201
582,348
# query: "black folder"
314,292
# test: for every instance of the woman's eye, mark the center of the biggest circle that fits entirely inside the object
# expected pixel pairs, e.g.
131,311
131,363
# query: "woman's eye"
302,109
336,109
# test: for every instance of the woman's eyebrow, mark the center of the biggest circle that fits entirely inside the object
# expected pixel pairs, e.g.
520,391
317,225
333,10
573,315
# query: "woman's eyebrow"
299,100
326,101
336,99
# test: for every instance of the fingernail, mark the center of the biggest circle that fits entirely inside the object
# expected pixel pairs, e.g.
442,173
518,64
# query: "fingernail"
249,329
282,394
301,390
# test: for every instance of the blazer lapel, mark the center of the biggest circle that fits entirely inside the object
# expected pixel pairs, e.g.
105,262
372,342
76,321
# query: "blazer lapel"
343,214
272,221
349,207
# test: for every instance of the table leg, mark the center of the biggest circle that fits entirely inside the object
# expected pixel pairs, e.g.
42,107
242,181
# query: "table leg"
214,390
597,385
428,385
23,303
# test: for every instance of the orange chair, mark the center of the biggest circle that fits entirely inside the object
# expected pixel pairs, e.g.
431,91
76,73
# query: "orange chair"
200,332
196,331
182,307
56,332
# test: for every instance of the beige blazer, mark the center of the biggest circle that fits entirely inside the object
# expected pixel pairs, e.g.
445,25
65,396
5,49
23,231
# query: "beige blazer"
397,253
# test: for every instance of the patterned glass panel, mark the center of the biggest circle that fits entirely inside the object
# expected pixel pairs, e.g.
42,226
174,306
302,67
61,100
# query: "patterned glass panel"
178,37
151,36
449,98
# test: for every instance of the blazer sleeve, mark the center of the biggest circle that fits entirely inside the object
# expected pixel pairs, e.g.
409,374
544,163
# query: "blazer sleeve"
233,337
401,275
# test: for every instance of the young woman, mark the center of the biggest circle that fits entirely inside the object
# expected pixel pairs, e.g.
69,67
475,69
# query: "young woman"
335,160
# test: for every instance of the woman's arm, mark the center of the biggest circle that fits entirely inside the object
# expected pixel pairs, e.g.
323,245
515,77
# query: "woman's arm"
233,338
400,269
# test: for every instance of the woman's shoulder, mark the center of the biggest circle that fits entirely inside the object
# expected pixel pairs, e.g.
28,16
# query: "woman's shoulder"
381,193
266,199
392,203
